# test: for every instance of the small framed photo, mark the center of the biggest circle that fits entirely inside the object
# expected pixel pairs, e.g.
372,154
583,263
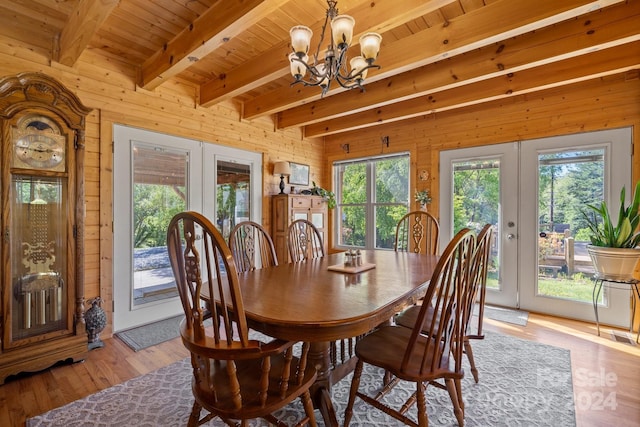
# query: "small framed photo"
299,174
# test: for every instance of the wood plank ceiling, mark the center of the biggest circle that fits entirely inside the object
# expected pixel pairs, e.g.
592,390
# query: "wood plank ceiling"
436,55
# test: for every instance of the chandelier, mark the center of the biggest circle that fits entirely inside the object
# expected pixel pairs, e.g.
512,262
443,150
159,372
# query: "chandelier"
331,66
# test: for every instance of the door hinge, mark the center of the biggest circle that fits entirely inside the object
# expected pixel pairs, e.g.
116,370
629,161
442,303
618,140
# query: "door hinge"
75,231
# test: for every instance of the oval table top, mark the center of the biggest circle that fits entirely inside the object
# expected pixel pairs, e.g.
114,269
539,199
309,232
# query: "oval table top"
307,301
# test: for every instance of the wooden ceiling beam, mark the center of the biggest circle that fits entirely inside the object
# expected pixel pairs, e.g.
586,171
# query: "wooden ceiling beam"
223,21
493,23
274,63
567,39
83,23
594,65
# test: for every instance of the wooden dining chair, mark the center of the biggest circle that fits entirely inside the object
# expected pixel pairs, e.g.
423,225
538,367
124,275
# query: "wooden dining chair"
411,355
234,377
304,241
251,247
417,231
476,292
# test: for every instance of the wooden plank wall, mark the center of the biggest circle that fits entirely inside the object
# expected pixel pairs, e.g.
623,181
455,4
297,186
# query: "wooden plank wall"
107,85
605,103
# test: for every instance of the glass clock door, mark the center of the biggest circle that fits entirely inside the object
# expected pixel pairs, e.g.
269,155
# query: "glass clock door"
39,271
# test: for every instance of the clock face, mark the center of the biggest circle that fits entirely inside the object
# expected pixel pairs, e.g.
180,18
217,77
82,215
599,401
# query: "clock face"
39,151
37,145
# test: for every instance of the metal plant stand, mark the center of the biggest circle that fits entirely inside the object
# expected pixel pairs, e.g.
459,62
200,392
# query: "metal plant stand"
632,285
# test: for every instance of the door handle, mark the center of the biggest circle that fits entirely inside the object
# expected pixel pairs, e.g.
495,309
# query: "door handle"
511,236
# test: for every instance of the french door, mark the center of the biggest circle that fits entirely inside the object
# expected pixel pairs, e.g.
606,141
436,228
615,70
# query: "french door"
232,186
155,177
534,193
482,184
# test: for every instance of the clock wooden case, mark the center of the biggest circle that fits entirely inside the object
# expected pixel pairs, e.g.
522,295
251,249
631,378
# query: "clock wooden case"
42,198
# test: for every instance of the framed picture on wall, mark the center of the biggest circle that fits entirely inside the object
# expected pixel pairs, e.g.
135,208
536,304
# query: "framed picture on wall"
299,174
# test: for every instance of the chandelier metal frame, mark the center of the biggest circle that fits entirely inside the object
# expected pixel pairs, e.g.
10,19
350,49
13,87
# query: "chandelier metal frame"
332,66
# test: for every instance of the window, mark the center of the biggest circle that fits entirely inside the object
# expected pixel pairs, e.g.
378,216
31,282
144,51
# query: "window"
372,195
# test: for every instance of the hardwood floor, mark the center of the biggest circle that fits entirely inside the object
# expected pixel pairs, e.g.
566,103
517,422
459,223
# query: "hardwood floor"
606,374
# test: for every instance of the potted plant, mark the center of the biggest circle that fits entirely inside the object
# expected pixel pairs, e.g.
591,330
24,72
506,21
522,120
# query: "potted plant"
329,196
614,246
422,197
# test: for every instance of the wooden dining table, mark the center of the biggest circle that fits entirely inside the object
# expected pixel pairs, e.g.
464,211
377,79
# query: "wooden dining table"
307,301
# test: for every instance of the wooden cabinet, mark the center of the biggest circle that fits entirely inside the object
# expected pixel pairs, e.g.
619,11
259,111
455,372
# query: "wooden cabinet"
286,208
42,198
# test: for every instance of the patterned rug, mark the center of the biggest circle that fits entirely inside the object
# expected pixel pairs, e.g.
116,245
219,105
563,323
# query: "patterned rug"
521,383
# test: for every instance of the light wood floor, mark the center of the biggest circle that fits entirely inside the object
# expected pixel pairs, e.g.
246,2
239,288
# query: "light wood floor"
606,374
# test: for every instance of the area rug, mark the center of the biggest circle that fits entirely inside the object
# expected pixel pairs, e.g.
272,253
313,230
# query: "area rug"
516,317
154,333
522,383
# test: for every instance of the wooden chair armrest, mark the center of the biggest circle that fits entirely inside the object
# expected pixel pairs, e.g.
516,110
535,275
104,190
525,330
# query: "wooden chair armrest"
274,347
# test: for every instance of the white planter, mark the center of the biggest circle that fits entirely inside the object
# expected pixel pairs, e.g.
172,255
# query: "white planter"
614,263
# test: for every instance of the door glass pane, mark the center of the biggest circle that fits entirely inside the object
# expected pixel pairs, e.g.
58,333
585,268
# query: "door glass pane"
317,218
299,215
159,192
233,201
567,181
476,202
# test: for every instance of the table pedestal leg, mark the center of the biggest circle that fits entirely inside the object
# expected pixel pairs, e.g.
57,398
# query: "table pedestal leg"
321,390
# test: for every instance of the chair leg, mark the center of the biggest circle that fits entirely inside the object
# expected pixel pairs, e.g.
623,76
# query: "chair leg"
388,383
355,384
423,419
387,378
454,387
194,418
308,407
469,351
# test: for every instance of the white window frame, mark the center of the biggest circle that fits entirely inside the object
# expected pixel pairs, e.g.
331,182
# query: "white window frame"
370,203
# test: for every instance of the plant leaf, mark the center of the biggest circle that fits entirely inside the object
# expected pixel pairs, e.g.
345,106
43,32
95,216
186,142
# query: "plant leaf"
624,233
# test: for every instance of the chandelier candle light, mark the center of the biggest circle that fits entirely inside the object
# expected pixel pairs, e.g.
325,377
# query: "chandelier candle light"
324,70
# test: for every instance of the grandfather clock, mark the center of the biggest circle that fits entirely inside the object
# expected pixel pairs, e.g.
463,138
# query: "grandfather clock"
42,197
